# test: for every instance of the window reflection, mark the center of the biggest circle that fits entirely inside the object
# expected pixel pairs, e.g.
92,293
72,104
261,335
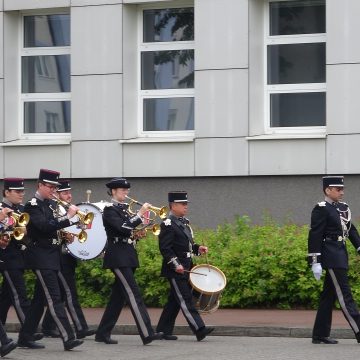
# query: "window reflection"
168,25
47,117
167,69
46,74
169,114
47,30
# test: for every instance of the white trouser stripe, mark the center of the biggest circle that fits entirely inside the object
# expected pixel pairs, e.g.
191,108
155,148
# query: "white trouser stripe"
17,305
133,302
183,305
69,302
340,296
49,300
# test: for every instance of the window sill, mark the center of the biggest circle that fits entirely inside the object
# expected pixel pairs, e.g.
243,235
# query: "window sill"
285,136
141,140
36,142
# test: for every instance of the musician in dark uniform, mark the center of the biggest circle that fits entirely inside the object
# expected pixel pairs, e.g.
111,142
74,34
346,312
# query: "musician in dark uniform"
121,257
44,259
13,291
7,344
331,227
177,248
68,281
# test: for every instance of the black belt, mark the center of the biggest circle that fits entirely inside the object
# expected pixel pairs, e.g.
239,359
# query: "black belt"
117,240
335,237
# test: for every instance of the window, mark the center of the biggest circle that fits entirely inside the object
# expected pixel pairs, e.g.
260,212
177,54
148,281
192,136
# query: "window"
296,66
166,61
45,75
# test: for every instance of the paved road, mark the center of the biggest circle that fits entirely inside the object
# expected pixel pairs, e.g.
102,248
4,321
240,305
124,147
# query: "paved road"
213,348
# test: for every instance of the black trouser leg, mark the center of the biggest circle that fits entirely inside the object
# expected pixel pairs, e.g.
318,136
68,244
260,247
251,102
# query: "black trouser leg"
169,314
5,300
3,336
16,291
112,311
183,295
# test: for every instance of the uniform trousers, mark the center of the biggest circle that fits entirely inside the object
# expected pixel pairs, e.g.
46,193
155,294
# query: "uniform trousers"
125,289
70,297
47,291
336,286
3,336
13,292
180,298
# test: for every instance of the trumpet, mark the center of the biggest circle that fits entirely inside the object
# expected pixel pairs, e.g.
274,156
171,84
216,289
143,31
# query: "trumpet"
160,212
84,218
82,235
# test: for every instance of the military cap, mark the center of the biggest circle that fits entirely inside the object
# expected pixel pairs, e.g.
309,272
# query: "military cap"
177,196
14,184
64,185
337,181
118,183
49,176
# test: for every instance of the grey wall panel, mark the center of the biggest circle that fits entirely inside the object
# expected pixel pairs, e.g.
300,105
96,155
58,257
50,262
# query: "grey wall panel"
287,157
96,107
159,159
221,103
96,159
342,99
1,44
221,34
96,35
342,154
342,31
1,5
94,2
34,4
221,157
25,161
1,110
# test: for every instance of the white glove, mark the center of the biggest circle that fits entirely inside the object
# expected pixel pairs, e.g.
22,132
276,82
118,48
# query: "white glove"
317,270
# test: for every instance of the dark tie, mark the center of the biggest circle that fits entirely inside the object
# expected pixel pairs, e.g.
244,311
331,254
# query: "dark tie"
183,220
335,203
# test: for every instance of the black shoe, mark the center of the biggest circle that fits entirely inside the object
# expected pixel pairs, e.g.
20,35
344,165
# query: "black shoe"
5,349
51,333
203,332
169,337
70,344
29,344
323,340
37,336
106,340
151,338
84,333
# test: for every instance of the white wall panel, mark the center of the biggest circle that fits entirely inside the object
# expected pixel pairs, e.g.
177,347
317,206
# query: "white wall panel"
221,103
96,159
26,161
2,110
94,2
343,105
1,43
96,39
287,157
159,159
342,29
221,157
221,34
34,4
96,107
342,154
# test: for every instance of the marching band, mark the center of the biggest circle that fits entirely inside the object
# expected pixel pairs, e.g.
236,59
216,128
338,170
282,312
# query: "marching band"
41,235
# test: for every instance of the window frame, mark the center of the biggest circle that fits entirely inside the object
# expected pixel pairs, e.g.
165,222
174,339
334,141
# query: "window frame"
161,93
288,88
37,97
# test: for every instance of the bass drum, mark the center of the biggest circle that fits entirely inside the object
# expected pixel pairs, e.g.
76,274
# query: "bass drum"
207,282
96,240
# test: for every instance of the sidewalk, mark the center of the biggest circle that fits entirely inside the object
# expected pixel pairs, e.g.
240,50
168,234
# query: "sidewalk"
229,322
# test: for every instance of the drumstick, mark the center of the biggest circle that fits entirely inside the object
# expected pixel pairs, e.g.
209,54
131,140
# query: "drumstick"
88,193
206,257
194,272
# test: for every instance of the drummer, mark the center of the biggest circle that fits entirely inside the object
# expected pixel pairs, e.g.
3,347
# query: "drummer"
177,248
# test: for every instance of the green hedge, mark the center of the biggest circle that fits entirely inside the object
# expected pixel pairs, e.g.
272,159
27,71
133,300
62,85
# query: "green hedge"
265,267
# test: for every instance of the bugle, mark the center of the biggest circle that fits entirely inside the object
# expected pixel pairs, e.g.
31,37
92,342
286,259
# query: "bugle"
82,235
160,212
19,219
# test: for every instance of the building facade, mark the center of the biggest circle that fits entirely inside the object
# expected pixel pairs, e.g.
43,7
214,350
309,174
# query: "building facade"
243,103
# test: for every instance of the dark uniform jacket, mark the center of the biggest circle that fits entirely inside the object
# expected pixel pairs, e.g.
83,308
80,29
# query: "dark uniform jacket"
119,225
330,227
176,246
13,255
44,247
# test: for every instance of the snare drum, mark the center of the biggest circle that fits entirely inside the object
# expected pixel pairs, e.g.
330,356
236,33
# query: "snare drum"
96,240
207,288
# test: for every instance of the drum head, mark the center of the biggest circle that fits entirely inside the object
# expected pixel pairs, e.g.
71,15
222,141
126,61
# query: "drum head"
213,280
96,235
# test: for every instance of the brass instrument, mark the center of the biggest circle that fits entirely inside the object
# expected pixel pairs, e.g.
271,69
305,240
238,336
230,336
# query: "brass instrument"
19,219
17,233
84,218
160,212
82,235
